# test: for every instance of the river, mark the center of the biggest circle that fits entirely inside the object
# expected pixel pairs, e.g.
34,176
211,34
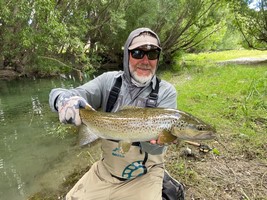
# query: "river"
35,152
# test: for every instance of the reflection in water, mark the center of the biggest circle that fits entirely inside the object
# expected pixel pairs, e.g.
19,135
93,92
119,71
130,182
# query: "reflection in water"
18,180
31,158
36,106
2,116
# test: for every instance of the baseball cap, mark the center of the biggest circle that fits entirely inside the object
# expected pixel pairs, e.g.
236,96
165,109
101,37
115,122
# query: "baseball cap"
144,40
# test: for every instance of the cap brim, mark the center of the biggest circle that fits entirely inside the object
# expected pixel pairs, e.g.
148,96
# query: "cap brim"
140,44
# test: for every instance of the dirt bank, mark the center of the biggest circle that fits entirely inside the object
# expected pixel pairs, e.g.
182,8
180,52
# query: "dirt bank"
6,74
245,61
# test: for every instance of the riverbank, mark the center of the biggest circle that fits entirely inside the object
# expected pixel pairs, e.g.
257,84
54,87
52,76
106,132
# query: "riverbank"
11,74
8,74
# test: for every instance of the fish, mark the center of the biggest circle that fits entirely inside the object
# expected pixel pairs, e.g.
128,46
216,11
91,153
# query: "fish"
136,124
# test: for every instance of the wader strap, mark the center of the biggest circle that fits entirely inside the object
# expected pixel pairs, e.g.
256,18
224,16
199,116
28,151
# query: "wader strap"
115,91
113,95
153,97
144,162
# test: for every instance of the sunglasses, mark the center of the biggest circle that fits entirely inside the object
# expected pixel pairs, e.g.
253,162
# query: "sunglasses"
139,54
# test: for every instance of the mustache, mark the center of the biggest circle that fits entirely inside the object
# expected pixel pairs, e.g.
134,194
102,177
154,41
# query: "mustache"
144,66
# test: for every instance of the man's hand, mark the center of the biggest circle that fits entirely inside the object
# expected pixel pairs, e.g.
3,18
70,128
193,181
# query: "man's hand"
68,109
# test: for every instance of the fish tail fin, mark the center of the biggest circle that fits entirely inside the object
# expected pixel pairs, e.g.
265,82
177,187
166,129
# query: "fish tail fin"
86,136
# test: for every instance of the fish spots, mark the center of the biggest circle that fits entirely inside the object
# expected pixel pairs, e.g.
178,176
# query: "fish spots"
180,125
143,124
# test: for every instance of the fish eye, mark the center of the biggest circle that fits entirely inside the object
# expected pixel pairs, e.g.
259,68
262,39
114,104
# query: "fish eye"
200,127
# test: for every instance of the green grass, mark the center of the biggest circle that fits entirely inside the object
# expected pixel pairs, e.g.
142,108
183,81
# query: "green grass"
232,92
233,98
224,55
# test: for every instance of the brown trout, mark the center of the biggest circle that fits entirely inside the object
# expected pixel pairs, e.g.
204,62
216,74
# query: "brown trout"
134,124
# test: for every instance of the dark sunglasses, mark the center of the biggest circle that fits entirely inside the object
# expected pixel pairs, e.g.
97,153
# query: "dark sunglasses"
139,54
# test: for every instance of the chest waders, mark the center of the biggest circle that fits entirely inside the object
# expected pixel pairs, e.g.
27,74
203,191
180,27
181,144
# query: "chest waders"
172,189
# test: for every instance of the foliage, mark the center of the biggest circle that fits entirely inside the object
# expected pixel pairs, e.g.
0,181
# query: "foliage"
184,27
82,35
66,31
61,131
251,21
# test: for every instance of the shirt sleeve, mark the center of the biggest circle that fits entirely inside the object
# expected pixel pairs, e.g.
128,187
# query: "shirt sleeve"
92,91
167,97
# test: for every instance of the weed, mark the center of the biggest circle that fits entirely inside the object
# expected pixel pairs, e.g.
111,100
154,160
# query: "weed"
61,130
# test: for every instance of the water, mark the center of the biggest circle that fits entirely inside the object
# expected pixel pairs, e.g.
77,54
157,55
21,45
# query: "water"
32,156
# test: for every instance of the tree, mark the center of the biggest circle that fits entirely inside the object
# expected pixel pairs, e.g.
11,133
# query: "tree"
181,24
252,22
191,24
28,30
79,34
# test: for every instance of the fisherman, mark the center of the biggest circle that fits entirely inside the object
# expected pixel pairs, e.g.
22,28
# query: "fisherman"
139,173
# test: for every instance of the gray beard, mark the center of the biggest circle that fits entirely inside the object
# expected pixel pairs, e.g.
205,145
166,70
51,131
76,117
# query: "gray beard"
138,84
139,81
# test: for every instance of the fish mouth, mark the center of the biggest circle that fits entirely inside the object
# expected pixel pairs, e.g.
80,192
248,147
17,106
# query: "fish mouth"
205,135
195,132
202,135
204,132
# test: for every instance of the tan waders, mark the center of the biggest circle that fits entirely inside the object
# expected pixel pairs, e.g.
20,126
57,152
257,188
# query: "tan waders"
99,184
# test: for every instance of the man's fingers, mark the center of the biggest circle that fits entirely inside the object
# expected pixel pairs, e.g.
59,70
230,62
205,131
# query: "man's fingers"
153,141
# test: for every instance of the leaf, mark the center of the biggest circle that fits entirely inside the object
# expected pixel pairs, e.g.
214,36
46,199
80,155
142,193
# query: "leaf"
216,151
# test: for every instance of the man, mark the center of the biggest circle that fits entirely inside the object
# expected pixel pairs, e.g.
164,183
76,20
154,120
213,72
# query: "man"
137,174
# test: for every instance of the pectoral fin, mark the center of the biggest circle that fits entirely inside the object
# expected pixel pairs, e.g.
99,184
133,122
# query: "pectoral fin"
165,138
124,146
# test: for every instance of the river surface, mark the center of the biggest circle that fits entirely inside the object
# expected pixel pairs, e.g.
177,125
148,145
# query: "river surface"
35,151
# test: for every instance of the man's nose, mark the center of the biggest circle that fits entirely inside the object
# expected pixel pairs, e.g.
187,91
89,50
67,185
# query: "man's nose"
145,59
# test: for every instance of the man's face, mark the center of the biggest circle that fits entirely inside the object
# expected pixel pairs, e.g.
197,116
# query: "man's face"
143,69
